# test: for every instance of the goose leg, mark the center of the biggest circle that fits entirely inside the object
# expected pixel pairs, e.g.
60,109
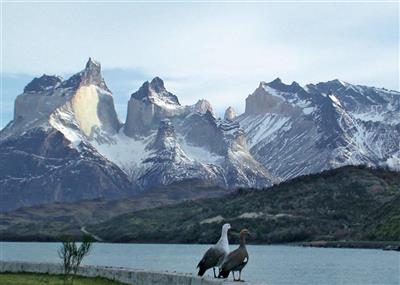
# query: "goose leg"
240,275
215,276
235,278
233,274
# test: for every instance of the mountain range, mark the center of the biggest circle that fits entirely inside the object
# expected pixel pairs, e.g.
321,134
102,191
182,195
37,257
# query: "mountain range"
294,130
66,142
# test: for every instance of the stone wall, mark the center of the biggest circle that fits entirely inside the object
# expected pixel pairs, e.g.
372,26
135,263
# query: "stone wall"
124,275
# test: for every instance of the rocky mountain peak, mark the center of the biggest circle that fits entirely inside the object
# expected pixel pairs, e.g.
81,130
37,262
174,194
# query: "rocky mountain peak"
143,91
277,84
93,64
265,98
294,83
276,81
230,114
149,105
43,83
155,92
330,86
339,82
157,84
202,106
165,138
91,75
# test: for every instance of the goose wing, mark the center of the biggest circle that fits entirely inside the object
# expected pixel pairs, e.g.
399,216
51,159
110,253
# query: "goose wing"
235,260
211,258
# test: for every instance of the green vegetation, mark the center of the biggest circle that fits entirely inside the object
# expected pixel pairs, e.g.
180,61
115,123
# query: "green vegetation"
53,222
350,203
389,226
72,257
43,279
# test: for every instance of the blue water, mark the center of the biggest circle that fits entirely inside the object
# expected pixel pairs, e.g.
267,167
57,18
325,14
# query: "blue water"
267,264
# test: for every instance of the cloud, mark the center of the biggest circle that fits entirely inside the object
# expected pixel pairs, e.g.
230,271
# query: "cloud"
216,51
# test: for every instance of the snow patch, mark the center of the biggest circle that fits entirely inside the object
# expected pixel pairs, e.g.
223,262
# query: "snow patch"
335,100
216,219
393,163
263,127
273,92
251,215
61,119
164,102
369,116
342,82
128,153
200,154
308,110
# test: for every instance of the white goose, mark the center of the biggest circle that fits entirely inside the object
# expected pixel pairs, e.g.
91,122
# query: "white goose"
215,255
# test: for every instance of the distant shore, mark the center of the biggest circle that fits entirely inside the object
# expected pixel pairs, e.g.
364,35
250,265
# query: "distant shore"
385,245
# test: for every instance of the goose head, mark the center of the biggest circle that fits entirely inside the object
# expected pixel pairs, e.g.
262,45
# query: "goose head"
226,228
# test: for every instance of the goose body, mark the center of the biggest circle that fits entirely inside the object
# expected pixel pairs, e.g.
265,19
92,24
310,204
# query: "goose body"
216,254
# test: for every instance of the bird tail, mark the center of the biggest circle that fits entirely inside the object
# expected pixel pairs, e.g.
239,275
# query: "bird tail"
202,270
223,274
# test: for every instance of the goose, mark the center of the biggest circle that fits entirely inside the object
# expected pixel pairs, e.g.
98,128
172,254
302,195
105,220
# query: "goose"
237,259
215,255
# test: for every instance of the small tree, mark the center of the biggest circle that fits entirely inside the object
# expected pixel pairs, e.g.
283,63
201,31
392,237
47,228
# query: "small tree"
72,256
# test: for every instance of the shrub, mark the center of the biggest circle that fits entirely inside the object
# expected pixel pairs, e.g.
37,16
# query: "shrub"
72,256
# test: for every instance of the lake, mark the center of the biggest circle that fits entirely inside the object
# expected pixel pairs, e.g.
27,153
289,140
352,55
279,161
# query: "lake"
267,264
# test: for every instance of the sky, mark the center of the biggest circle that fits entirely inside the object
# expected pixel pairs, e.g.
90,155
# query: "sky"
216,51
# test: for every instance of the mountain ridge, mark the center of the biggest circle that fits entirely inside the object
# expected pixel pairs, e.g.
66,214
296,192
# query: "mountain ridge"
81,110
312,130
286,131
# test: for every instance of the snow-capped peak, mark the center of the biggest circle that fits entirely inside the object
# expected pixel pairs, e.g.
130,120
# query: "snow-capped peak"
278,85
155,92
230,114
43,83
92,63
157,84
91,75
166,137
340,82
202,106
276,81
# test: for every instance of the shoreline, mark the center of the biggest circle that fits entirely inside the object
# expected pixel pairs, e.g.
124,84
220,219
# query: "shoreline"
384,245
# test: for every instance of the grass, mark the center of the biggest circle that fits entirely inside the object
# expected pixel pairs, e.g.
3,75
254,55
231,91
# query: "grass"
47,279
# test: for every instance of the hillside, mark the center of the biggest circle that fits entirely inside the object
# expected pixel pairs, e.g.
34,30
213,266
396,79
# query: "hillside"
346,203
54,221
388,227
